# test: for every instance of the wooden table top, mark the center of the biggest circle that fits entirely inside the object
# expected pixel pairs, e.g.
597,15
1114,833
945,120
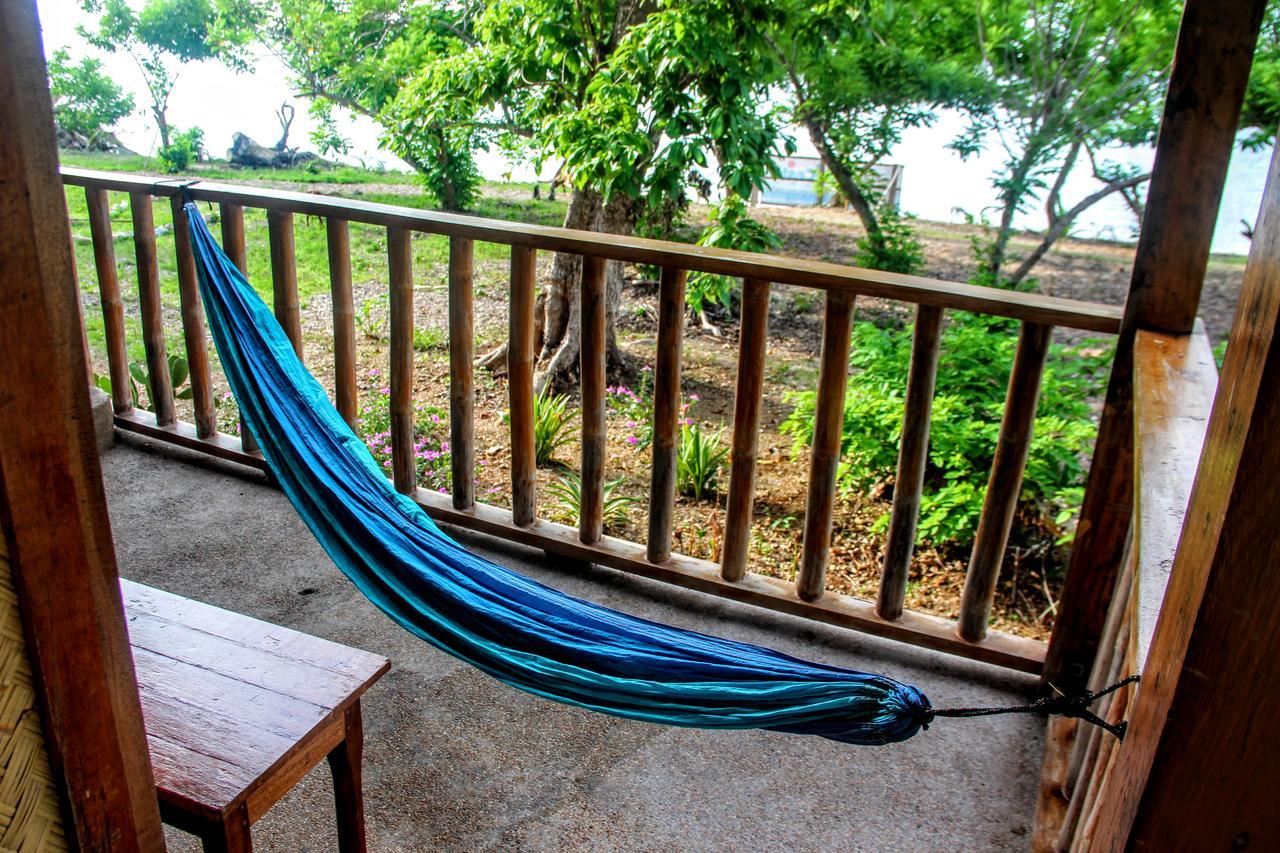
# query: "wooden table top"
229,700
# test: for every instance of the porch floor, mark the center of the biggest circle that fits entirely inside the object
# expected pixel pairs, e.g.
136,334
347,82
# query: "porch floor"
455,760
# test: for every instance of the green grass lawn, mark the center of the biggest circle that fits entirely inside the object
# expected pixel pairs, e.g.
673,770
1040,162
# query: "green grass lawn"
510,201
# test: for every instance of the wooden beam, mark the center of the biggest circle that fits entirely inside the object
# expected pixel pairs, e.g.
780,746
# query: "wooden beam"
666,413
1197,136
1206,722
52,507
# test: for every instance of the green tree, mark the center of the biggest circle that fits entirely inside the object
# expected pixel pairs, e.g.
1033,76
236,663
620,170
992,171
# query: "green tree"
358,56
858,74
1262,98
164,34
86,102
1069,77
633,97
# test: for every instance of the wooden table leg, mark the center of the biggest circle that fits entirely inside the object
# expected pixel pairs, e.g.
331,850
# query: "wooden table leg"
230,836
348,796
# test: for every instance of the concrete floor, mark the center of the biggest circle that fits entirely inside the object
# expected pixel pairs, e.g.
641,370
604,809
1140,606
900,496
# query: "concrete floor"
457,761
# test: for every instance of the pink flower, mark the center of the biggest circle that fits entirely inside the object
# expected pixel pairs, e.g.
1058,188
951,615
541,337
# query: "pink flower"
375,372
632,440
384,390
435,419
694,397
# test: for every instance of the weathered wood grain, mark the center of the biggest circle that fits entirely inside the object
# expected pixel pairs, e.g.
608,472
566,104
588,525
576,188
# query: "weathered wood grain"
666,413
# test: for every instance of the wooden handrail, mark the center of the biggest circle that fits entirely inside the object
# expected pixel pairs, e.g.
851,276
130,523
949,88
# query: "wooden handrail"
1029,307
808,594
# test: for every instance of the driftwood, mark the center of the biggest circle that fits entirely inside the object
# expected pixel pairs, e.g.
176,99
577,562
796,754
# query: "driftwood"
246,152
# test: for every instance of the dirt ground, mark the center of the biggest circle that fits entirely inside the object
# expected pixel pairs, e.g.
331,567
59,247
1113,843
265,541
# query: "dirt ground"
1091,270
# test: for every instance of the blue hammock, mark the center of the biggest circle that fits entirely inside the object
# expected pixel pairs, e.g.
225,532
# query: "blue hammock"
517,630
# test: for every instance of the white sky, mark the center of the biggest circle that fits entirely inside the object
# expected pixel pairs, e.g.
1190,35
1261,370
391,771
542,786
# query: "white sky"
936,183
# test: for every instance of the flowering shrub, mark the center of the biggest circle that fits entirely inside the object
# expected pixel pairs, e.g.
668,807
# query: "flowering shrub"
430,439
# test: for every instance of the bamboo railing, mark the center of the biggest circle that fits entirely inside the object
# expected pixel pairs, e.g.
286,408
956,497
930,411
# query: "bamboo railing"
731,577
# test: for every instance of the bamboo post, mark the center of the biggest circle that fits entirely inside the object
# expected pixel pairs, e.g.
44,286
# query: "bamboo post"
284,275
232,216
338,238
913,455
193,324
144,243
104,256
520,357
1005,482
666,411
746,429
462,395
833,371
592,369
404,460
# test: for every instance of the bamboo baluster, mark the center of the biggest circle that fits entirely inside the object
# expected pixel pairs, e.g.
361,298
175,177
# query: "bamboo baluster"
746,429
344,318
913,455
1005,482
666,411
824,458
232,216
462,451
193,324
104,256
144,242
284,275
90,377
592,368
404,459
520,357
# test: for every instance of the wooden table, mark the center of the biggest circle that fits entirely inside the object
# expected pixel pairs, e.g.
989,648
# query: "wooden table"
238,710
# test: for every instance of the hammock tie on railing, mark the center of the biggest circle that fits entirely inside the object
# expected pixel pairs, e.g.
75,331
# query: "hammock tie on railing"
519,631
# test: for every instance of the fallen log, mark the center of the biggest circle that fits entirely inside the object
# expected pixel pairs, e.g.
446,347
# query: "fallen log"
245,152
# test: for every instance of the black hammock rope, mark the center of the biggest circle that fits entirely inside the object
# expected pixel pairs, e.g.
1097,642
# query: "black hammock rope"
1066,706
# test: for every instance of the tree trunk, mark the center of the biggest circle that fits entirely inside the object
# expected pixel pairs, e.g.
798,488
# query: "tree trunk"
1063,221
557,310
844,179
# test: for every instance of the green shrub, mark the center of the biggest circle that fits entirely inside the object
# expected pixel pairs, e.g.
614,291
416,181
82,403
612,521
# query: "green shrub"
184,148
894,249
699,458
731,227
977,353
430,439
567,492
552,426
140,380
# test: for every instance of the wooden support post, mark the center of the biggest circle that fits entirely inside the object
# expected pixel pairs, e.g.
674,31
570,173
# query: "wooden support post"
53,514
233,245
1205,726
1197,136
666,413
1005,483
404,459
193,324
338,236
144,242
462,391
284,275
739,506
104,256
833,377
592,369
524,469
913,457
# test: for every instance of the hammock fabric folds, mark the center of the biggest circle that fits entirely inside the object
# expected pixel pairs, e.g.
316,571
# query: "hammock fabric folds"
515,629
